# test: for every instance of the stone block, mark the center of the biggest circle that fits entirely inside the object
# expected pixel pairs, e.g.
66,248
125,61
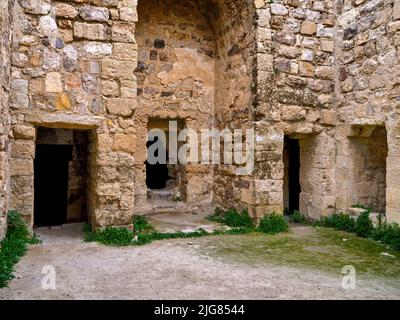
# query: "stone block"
112,68
24,132
90,31
308,28
21,167
121,106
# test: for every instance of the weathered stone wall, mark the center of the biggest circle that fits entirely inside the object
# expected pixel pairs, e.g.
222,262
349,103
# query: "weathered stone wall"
235,29
295,97
5,68
175,79
323,72
73,67
368,73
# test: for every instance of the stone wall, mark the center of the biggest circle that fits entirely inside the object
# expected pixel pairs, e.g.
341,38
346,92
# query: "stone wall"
367,95
5,69
295,98
323,72
235,29
175,79
73,68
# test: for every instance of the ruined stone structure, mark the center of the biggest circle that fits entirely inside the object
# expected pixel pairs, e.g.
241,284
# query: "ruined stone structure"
318,80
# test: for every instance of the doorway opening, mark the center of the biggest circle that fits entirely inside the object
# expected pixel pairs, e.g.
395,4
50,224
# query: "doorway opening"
291,185
60,176
163,180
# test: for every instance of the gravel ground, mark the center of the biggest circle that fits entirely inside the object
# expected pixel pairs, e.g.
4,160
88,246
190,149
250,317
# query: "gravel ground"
176,269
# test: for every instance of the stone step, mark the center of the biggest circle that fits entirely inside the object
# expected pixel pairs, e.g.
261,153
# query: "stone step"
374,216
160,195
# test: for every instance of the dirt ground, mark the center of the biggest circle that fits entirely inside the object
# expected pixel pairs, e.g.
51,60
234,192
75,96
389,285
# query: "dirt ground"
175,269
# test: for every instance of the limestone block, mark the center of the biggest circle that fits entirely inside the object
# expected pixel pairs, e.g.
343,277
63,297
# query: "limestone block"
110,88
36,6
123,32
293,113
65,10
112,68
308,28
19,94
92,31
23,148
53,83
97,49
62,102
47,26
396,10
279,9
327,45
121,106
128,14
325,72
90,13
125,51
21,167
24,132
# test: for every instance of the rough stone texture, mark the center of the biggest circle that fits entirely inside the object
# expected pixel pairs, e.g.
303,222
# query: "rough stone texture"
368,105
323,72
5,85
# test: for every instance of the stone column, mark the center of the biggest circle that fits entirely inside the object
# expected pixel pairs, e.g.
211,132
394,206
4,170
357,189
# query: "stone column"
21,170
393,172
269,171
317,175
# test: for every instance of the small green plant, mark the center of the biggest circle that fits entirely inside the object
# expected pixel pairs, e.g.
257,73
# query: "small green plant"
339,221
388,234
114,236
297,217
233,218
14,245
141,224
364,226
273,224
88,234
177,199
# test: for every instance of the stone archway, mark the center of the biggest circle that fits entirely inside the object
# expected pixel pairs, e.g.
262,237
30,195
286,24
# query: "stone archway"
190,55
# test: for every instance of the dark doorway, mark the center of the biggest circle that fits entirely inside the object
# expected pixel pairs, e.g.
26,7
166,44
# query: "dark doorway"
292,174
156,174
51,184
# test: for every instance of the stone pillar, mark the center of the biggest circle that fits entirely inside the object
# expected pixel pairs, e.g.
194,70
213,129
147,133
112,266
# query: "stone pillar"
317,175
393,172
5,64
344,165
269,171
21,170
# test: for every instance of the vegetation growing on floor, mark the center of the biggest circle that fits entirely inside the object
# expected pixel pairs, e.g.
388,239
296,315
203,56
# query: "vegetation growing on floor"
297,217
144,233
14,246
273,224
386,233
233,218
319,249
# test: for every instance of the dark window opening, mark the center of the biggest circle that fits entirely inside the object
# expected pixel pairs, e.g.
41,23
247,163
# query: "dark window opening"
156,174
292,188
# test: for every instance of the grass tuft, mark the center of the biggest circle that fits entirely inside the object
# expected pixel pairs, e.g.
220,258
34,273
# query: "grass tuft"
14,245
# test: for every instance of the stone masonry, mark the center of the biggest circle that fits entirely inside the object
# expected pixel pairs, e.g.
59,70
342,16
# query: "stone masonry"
325,73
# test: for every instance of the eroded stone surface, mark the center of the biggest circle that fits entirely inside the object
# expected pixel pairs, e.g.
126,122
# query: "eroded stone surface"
323,72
